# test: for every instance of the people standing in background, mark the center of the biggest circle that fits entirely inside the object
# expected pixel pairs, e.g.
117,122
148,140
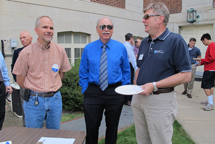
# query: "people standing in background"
40,68
209,71
4,88
104,66
25,39
194,52
132,62
161,67
136,47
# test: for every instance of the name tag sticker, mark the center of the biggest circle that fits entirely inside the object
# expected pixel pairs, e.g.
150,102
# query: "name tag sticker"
55,67
141,57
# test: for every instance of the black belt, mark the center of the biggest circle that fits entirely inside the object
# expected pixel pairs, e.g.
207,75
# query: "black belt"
163,90
109,86
192,63
48,94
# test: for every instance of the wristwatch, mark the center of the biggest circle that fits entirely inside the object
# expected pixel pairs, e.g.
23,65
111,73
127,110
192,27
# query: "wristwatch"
155,87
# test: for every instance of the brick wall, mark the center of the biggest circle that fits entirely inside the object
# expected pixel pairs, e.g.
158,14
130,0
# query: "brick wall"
114,3
174,6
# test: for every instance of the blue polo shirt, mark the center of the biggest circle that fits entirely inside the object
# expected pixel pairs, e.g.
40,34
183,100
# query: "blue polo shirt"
162,57
117,63
194,53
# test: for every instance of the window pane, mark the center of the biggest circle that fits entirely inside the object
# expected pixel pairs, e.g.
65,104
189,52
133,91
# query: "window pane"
68,52
82,49
83,39
60,38
68,38
77,38
77,52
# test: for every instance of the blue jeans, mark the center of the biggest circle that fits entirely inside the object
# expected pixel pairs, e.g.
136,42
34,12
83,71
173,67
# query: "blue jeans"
49,109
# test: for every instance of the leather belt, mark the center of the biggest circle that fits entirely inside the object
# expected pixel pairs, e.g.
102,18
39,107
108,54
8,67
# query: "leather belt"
48,94
109,86
163,90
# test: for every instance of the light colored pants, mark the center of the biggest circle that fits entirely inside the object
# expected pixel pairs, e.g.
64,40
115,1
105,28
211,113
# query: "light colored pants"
189,86
154,116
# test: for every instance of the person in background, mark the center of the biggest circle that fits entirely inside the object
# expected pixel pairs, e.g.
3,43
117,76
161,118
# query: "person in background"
194,52
132,62
104,66
26,39
136,47
160,69
209,71
4,88
40,69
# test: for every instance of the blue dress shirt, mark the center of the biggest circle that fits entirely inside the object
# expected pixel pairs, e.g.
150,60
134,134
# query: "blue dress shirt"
4,70
117,59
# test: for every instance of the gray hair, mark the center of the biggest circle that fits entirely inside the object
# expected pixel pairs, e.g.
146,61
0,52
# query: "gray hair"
159,8
37,23
102,18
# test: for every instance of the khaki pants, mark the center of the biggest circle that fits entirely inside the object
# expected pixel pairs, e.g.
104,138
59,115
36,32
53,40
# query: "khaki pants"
154,116
189,86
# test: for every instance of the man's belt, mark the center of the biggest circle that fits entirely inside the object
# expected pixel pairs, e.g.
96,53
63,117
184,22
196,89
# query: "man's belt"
163,90
48,94
110,85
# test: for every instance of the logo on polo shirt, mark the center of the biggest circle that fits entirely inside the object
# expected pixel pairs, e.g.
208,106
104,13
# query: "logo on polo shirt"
159,51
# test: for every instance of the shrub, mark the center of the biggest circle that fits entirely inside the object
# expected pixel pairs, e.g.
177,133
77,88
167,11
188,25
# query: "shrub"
71,91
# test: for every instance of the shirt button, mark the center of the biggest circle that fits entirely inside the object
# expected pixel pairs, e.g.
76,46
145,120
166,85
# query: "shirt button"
46,62
46,71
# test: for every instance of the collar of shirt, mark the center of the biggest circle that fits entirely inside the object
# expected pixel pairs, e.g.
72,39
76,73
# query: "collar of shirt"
40,46
163,36
108,44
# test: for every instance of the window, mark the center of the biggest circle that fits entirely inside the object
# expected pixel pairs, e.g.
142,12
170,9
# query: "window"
73,43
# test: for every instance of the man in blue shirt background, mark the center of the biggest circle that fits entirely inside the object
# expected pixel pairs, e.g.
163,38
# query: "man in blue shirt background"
4,87
132,61
99,99
194,52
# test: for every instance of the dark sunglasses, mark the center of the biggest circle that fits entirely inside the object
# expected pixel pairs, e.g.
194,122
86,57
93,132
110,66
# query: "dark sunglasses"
102,27
148,16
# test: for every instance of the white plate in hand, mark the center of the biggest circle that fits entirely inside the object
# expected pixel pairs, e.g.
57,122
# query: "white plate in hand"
129,89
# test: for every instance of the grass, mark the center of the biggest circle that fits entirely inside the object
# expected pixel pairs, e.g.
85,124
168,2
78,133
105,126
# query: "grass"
74,115
128,136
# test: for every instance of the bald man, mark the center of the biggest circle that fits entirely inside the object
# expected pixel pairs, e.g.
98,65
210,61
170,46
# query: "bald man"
26,39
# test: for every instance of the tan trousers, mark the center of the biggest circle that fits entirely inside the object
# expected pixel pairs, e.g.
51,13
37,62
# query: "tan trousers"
189,86
154,116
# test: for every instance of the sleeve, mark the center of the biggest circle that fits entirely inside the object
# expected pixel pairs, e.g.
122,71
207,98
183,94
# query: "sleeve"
21,65
181,65
65,62
4,71
125,68
211,56
84,71
132,57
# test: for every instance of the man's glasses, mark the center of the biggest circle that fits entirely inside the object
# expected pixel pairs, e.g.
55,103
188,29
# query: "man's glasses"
102,27
148,16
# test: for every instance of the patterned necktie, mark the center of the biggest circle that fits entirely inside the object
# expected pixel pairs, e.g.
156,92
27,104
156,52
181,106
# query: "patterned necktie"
1,77
103,73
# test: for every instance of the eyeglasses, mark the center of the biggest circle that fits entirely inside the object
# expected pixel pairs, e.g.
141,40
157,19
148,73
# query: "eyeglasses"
102,27
148,16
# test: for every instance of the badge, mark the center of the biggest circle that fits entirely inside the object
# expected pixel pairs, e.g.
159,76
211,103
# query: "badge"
55,67
141,57
36,102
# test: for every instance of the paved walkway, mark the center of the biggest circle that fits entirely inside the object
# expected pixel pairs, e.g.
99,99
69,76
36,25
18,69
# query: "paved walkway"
199,124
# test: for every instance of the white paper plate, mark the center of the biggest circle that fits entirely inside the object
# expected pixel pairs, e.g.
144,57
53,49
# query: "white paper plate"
129,89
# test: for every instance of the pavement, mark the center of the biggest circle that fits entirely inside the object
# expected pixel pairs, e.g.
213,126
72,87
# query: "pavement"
199,124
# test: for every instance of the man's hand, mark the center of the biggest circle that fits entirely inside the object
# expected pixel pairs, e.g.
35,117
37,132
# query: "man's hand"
9,89
197,59
147,89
